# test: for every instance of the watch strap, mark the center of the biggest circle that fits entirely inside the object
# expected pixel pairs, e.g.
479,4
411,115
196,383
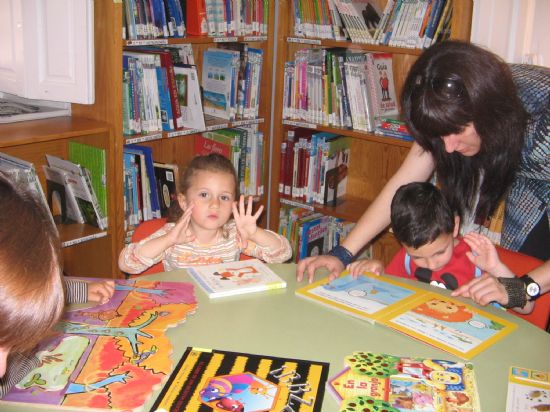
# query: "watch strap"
515,288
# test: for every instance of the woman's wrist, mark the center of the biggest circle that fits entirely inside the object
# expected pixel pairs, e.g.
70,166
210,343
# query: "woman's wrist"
343,254
515,289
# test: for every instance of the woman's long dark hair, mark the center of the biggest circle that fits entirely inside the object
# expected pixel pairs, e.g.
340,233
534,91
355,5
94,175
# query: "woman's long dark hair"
451,85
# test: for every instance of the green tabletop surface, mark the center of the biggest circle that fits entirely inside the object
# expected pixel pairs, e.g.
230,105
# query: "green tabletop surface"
278,323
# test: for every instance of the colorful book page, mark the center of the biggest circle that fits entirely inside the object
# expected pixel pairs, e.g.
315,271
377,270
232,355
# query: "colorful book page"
235,278
207,380
528,390
367,297
448,324
394,383
110,356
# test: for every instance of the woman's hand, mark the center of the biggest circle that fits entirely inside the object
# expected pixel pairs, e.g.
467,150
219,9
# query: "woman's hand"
309,265
483,290
245,220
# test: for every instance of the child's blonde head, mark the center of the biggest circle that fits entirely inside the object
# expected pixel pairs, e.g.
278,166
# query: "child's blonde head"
31,287
212,163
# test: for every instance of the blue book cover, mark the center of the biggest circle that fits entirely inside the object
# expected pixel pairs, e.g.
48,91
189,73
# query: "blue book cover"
218,80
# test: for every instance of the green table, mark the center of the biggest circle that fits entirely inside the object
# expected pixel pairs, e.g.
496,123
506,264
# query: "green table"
279,323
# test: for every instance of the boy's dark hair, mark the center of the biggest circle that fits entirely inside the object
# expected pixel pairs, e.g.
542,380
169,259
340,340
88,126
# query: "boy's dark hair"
212,162
453,84
419,214
31,291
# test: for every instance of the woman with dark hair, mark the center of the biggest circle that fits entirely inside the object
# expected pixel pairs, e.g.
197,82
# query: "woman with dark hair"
469,124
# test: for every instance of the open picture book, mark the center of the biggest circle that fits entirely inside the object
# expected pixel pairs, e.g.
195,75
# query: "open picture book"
235,278
428,316
528,390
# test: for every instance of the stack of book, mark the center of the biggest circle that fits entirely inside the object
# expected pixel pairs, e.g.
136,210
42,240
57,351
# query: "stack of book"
151,19
402,23
314,166
339,87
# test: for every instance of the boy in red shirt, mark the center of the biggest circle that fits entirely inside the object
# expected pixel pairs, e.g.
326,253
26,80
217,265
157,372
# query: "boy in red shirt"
427,228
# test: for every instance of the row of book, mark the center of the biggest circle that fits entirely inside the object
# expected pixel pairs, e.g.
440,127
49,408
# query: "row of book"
153,19
311,233
339,87
161,90
151,187
76,189
402,23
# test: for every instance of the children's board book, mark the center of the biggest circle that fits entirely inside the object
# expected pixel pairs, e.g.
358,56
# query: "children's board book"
380,382
217,380
110,356
438,320
528,390
235,278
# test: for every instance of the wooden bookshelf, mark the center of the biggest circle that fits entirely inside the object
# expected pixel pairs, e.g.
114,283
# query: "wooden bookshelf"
374,159
169,147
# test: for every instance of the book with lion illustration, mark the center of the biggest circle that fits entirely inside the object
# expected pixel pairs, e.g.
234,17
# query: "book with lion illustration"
446,323
381,382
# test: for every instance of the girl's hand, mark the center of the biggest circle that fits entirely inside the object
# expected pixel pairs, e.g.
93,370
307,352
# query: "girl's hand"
245,220
484,254
181,232
101,292
365,265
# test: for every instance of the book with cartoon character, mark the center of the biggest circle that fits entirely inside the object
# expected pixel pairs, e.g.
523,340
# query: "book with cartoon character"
446,323
377,381
235,278
528,390
218,380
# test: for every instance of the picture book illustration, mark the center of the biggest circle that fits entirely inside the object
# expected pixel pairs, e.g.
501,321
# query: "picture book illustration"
528,390
235,278
380,382
433,318
217,380
110,356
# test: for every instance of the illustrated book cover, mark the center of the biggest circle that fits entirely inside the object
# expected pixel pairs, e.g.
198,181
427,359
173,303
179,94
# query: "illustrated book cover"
380,382
110,356
235,278
446,323
216,380
528,390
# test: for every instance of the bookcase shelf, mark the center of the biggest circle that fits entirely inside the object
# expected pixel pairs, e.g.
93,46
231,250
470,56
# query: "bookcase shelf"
168,147
374,159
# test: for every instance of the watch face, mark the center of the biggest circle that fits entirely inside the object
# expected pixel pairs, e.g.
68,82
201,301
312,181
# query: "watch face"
533,289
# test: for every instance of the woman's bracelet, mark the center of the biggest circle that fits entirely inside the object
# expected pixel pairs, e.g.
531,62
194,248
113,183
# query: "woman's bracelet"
515,288
344,255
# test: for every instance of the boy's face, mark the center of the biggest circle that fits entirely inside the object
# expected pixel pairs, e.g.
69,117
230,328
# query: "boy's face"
433,255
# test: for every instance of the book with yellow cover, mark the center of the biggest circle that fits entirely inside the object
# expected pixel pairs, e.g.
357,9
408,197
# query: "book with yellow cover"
528,390
448,324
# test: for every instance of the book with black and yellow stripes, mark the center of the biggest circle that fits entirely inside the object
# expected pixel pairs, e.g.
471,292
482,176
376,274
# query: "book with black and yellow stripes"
206,379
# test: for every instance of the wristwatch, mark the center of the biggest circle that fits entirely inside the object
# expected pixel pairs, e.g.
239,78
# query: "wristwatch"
532,288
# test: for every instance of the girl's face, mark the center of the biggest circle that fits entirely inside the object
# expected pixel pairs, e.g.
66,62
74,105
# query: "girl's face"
467,142
212,194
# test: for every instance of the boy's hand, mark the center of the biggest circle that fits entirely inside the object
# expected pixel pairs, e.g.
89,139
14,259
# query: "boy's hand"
101,292
484,254
365,265
245,220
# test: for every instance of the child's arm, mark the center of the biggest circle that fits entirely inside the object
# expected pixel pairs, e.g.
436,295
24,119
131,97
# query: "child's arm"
137,257
79,291
18,366
365,265
274,248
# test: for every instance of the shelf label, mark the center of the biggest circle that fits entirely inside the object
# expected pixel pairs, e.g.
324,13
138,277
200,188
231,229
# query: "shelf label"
232,39
300,124
297,204
217,127
303,41
248,121
183,132
146,42
83,239
145,138
255,38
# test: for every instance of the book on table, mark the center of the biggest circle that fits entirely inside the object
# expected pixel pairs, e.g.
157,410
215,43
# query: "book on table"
446,323
235,278
383,382
528,390
214,380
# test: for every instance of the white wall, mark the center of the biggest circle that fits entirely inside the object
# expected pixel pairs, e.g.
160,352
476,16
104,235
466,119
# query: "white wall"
516,30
